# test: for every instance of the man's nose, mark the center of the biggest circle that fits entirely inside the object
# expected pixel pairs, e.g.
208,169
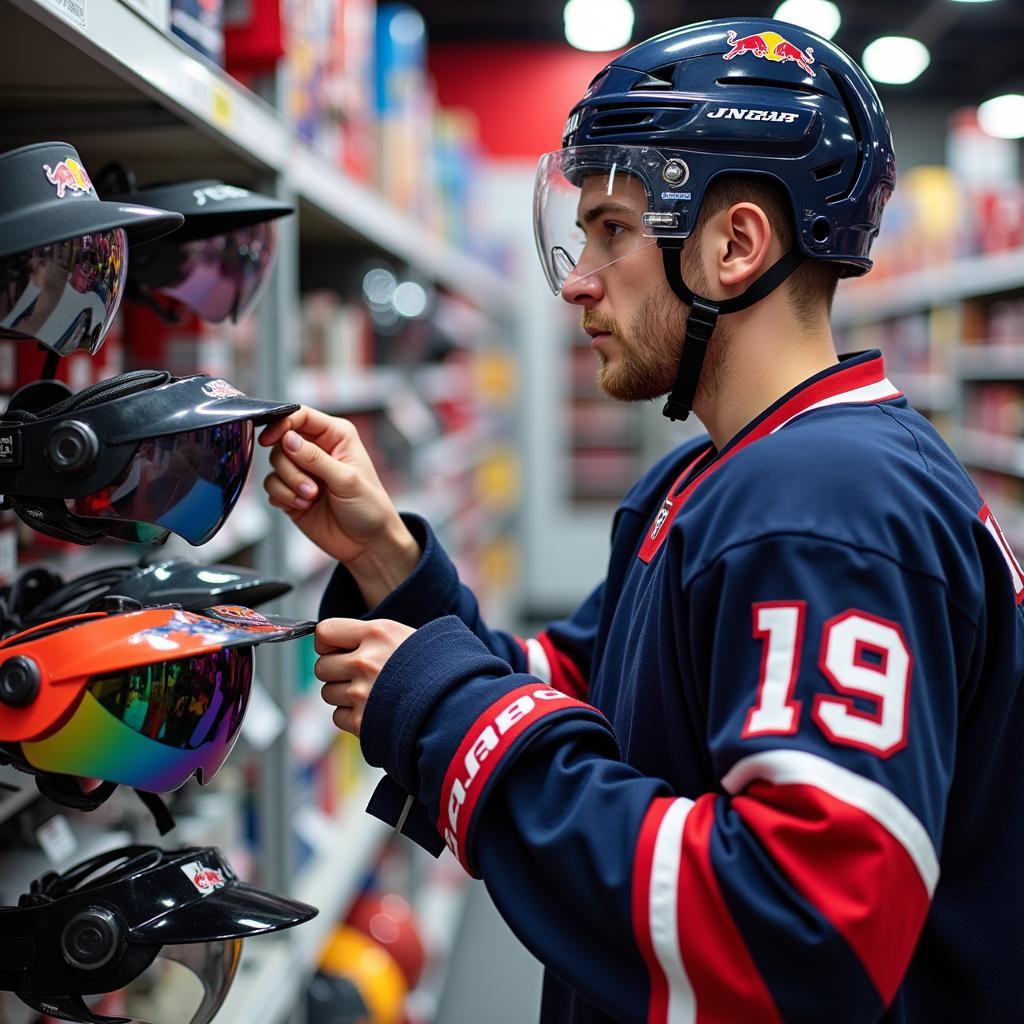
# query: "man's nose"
583,289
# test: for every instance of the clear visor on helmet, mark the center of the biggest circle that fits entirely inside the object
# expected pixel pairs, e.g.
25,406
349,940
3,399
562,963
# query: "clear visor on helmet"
185,984
592,207
64,295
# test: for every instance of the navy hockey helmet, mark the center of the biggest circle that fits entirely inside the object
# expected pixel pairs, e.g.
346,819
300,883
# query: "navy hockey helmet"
731,96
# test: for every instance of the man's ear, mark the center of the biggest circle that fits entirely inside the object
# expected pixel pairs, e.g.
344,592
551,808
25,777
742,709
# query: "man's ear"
745,244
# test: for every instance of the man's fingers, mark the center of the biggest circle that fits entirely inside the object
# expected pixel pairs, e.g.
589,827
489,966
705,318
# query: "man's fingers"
306,420
309,458
336,694
283,496
348,719
347,634
293,477
332,668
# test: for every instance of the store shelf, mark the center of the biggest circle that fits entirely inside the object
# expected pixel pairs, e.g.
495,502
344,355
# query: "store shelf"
155,64
932,392
990,361
343,392
13,801
273,972
867,302
978,448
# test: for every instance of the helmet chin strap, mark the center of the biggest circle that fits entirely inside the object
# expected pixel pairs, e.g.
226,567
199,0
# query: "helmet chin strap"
704,314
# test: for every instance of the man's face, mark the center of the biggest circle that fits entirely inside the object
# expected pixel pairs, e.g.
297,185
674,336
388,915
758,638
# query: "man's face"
635,321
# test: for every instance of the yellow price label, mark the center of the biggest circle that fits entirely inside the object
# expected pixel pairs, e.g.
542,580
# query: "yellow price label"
223,108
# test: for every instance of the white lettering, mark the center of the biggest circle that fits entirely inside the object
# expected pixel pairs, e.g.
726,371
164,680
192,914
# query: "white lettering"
517,710
549,695
455,801
745,114
485,743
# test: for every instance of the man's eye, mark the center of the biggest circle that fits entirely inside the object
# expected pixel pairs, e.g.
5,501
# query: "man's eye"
614,229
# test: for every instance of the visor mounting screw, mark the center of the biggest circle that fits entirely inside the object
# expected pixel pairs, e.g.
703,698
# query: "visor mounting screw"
19,681
91,938
676,172
72,448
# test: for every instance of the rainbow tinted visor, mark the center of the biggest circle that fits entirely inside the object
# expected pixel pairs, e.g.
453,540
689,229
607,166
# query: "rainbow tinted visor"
147,699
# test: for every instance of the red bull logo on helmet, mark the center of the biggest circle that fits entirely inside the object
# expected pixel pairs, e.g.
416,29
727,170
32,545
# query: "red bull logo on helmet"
221,389
68,176
770,46
205,879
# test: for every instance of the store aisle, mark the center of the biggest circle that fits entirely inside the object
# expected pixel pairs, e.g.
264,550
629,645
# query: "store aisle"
492,977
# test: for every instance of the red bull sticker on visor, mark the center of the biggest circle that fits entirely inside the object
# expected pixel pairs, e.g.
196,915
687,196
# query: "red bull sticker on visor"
205,879
221,389
238,613
68,176
770,46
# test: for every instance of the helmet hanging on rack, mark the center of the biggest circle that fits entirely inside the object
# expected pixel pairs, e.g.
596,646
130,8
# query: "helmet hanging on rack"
144,698
63,251
37,594
163,928
221,259
739,96
132,458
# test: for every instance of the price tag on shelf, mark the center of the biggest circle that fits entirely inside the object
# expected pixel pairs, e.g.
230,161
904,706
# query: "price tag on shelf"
74,11
222,111
57,840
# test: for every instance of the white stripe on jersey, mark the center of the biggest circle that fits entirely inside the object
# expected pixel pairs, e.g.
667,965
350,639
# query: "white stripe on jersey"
537,663
876,392
664,905
796,767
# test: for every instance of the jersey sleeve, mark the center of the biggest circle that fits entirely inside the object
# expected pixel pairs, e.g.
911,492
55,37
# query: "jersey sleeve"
559,655
796,888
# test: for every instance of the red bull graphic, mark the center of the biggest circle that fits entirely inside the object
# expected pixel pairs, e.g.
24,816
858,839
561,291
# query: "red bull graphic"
771,46
238,613
69,176
221,389
205,879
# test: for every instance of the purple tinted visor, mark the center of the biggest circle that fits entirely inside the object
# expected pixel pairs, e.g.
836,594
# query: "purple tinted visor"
64,295
187,483
223,276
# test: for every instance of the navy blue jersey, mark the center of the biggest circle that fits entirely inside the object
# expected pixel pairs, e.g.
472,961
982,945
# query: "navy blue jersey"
770,770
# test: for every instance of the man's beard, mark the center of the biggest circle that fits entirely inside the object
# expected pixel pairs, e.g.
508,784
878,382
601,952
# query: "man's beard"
649,350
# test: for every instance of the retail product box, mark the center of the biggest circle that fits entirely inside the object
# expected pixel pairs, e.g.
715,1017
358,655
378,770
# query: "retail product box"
253,37
200,24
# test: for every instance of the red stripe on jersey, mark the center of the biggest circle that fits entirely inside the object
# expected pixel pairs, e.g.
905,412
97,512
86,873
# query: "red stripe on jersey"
492,736
657,1010
565,673
848,866
860,375
726,982
526,650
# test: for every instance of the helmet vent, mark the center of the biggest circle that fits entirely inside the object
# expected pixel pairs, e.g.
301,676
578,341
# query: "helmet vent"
772,83
623,119
851,109
659,78
828,170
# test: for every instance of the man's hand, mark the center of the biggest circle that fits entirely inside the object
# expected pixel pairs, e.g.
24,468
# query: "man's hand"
352,654
324,480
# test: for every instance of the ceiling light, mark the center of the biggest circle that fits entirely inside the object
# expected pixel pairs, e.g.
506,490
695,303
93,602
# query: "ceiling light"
821,16
896,60
1003,116
599,24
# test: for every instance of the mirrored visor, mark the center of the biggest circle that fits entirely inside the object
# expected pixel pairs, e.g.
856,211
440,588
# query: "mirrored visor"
592,206
187,483
185,984
223,276
64,295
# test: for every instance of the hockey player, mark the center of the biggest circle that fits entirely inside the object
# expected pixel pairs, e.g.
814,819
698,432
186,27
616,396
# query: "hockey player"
771,768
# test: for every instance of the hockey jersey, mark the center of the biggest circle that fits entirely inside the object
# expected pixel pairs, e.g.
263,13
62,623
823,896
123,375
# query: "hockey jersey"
771,769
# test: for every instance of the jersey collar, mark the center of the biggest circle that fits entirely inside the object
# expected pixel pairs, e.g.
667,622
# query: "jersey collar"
858,378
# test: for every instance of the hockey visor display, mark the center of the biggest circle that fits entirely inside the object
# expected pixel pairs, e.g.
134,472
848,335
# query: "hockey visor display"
63,251
131,458
220,261
144,698
161,929
37,594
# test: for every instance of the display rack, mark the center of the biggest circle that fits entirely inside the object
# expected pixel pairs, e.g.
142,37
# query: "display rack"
99,75
947,369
